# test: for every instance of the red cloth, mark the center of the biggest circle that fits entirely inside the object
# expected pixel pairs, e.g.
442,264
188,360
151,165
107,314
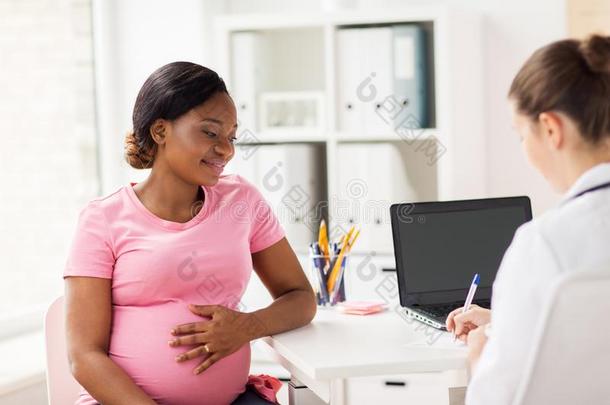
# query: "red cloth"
266,386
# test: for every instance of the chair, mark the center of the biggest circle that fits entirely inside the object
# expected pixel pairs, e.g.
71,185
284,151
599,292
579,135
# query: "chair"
61,386
570,355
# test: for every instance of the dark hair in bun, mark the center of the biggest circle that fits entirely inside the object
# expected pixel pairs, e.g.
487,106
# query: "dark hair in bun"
169,92
570,76
596,51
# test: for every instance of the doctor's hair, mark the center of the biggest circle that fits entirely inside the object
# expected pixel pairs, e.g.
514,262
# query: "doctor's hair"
169,92
569,76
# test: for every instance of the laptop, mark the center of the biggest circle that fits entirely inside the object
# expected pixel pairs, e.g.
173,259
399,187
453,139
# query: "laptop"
439,246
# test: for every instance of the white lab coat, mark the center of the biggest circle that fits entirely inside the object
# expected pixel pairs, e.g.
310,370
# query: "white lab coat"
573,236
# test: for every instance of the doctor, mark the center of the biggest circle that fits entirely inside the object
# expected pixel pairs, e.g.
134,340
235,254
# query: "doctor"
560,102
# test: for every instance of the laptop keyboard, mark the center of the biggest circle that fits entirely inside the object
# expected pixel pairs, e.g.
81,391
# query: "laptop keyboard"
437,311
441,311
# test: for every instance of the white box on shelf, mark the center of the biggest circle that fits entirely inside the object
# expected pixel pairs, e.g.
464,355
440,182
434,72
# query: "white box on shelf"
292,112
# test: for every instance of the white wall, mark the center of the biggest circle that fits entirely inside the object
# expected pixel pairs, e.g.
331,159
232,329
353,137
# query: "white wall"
134,38
514,30
152,33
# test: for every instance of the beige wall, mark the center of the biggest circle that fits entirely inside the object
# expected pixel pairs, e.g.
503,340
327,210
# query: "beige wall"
588,16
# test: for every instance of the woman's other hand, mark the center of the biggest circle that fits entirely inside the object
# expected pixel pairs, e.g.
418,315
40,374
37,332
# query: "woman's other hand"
222,335
462,323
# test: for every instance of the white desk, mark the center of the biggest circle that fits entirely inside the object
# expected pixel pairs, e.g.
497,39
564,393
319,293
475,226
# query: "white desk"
337,346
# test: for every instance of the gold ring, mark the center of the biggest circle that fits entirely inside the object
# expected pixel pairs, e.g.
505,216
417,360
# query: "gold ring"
206,348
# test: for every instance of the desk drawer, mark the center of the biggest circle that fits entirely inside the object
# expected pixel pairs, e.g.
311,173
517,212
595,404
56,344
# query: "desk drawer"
428,389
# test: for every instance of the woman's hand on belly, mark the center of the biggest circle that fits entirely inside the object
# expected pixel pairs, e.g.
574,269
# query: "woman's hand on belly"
222,335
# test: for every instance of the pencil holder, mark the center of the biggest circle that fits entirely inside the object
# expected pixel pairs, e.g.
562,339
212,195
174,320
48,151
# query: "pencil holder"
328,285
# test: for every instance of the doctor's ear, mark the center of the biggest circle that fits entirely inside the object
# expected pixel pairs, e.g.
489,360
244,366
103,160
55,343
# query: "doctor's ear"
551,127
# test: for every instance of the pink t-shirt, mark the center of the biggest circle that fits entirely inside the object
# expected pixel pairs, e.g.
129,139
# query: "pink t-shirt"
158,267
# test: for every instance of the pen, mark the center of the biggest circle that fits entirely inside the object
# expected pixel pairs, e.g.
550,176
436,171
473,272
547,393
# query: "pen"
320,273
315,264
470,296
337,267
350,244
337,287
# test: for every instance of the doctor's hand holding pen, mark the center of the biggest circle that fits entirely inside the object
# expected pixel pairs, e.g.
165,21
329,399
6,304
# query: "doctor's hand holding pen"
461,322
471,326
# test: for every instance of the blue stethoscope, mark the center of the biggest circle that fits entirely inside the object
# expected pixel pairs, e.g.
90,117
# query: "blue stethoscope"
599,187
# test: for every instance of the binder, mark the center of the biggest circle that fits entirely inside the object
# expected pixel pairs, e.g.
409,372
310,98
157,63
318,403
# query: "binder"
392,63
246,53
303,192
392,185
354,193
410,73
349,76
376,54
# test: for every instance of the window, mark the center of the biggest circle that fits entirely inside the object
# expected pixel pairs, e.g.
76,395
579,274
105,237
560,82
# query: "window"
48,154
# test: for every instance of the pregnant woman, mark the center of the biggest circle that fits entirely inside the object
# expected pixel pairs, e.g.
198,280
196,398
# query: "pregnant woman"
157,269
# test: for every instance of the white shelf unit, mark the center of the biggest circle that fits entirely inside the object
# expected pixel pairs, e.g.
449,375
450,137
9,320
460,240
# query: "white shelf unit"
299,53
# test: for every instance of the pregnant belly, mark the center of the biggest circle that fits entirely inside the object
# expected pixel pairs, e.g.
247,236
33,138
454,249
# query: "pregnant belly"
138,344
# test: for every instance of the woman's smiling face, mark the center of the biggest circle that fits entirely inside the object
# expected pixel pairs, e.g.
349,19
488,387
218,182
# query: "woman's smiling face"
200,143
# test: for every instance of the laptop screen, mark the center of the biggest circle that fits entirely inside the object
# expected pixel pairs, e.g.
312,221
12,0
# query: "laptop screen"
440,246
